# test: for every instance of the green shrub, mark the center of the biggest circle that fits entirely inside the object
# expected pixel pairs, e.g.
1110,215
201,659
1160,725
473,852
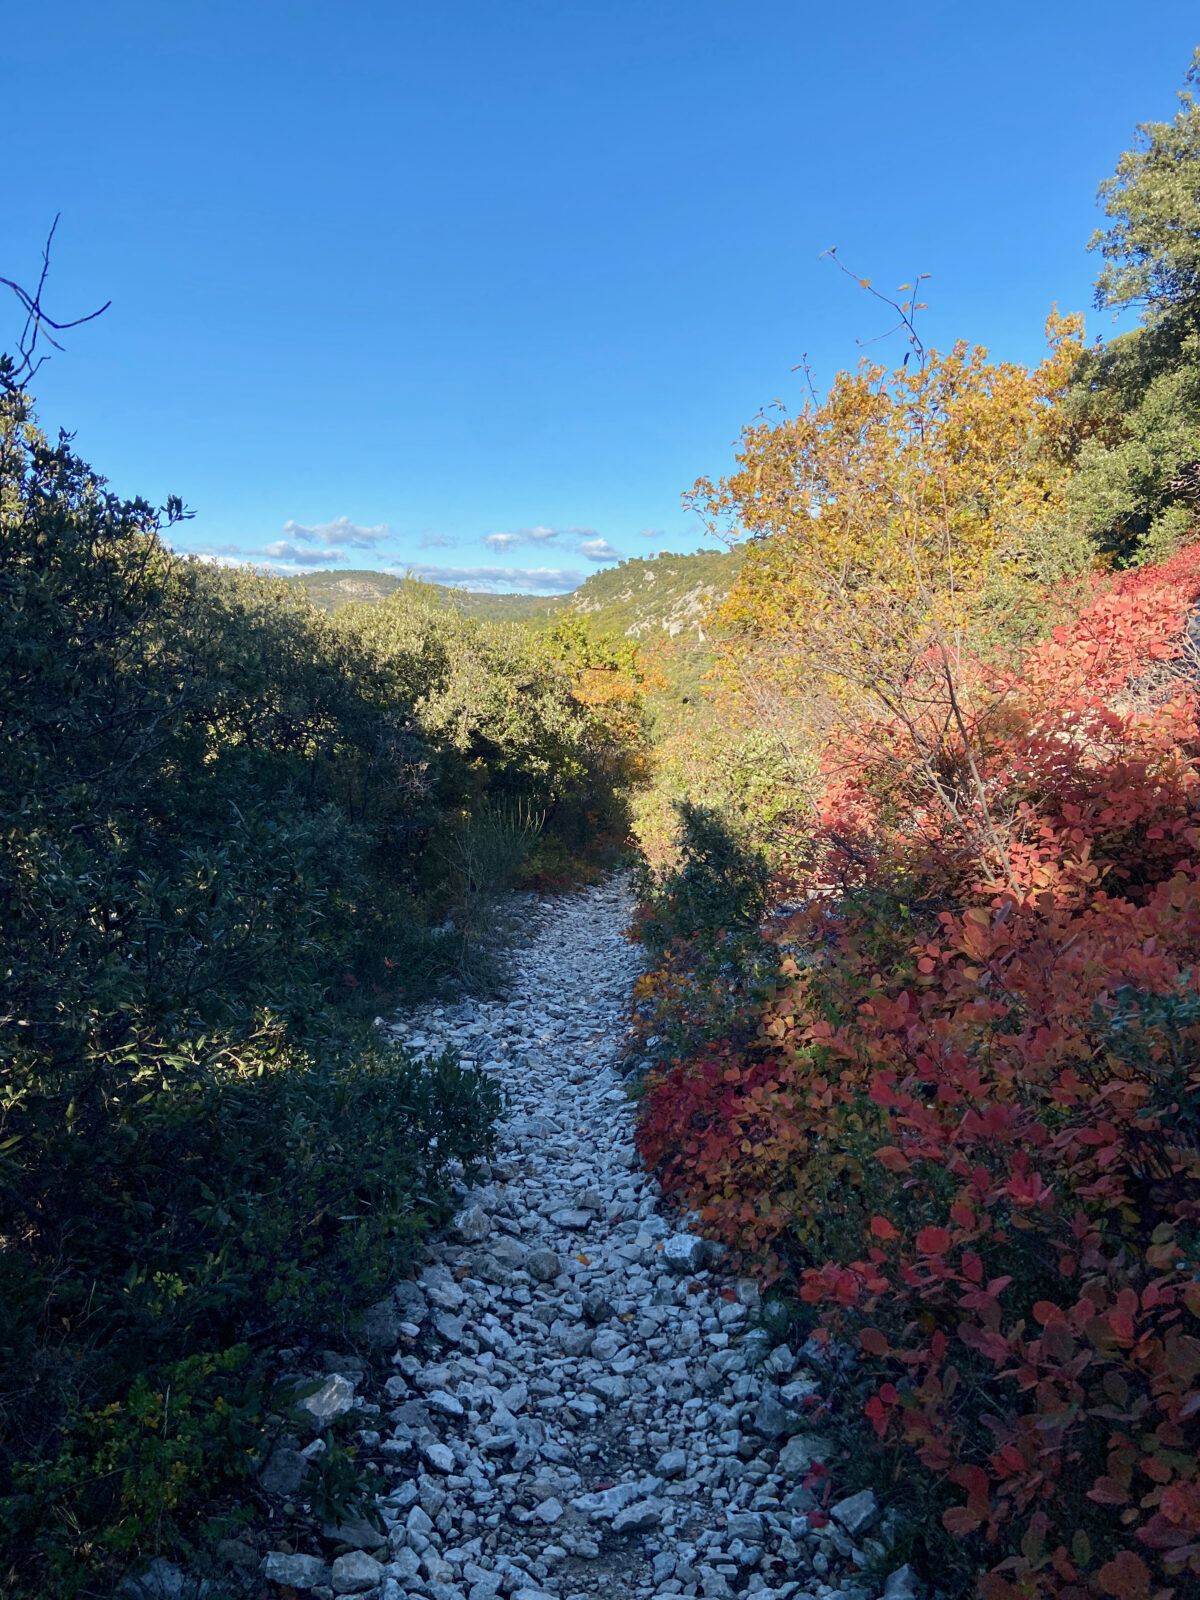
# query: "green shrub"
718,884
215,810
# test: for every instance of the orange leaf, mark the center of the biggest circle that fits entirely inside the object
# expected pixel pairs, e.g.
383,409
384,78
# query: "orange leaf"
883,1229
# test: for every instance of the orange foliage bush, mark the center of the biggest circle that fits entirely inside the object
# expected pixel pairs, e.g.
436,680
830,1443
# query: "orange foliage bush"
968,1128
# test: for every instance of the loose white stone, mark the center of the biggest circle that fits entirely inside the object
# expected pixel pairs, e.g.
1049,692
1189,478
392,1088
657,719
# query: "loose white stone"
298,1572
356,1572
438,1456
544,1265
473,1225
333,1399
566,1346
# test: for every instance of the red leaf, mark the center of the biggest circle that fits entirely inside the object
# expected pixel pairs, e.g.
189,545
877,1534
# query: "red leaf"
960,1521
1125,1577
933,1241
894,1160
882,1228
873,1342
1108,1492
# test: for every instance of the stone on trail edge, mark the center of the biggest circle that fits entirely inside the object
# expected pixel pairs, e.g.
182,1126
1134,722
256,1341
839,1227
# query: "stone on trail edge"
594,1410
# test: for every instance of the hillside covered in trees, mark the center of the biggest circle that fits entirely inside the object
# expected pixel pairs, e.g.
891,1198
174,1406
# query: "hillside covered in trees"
640,598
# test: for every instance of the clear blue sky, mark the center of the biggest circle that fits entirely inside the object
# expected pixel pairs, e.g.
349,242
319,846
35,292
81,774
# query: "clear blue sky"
391,281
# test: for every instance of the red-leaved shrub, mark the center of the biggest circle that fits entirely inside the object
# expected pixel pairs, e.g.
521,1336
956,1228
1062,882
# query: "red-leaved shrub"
968,1131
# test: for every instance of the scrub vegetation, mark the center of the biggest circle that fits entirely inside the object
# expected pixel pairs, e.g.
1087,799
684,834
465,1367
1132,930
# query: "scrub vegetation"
234,829
911,775
945,1096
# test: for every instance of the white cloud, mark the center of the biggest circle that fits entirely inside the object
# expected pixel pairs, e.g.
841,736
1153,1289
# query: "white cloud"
652,533
584,541
340,531
498,580
537,535
213,558
282,551
597,550
437,541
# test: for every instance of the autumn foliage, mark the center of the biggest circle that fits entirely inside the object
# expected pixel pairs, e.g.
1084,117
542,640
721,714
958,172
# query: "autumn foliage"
965,1124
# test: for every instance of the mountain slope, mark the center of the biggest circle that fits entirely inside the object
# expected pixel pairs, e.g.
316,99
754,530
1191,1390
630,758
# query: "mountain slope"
643,598
657,594
329,590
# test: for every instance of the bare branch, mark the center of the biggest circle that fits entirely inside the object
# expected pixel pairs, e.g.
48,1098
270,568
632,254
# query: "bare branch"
906,310
17,370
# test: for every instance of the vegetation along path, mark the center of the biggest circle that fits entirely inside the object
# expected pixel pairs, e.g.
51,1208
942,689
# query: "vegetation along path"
580,1404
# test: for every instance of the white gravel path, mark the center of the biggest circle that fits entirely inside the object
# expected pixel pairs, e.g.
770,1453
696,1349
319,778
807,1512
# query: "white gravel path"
582,1406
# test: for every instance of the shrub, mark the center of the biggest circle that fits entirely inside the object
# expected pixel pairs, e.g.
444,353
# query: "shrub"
215,808
966,1129
717,884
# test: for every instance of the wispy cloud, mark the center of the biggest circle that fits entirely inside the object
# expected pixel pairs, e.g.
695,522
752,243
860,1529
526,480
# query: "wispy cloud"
437,541
538,535
280,557
498,580
340,531
652,533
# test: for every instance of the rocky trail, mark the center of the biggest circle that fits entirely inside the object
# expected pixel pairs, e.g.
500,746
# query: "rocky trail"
581,1403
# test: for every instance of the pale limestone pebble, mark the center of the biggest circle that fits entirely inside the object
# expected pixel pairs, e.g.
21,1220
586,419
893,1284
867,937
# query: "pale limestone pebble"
333,1399
355,1573
473,1225
544,1265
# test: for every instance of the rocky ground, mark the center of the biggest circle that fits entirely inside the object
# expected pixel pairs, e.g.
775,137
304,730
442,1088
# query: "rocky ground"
581,1403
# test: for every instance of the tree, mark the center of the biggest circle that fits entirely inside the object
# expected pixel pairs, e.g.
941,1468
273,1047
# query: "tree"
893,525
1137,489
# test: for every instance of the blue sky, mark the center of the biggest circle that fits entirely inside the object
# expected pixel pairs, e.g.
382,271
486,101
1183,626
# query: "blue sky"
480,288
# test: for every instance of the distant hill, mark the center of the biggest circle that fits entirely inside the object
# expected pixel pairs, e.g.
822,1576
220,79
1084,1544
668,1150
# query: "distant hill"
646,597
329,590
657,594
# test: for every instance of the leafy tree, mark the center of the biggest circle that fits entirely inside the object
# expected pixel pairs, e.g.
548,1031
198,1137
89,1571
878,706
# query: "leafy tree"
893,524
1137,489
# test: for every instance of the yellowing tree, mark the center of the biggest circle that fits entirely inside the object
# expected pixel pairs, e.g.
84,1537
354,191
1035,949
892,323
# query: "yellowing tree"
890,524
879,513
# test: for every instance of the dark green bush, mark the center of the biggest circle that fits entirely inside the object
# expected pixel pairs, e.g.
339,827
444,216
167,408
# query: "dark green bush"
215,811
718,885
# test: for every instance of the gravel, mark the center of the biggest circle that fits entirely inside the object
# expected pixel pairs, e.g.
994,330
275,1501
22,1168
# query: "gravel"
582,1404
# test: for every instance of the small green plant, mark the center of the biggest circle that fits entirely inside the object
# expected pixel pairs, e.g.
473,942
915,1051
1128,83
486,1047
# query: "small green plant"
132,1474
338,1489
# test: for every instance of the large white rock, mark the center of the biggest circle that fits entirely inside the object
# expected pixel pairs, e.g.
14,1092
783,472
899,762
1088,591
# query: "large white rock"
473,1225
685,1252
297,1572
333,1399
355,1573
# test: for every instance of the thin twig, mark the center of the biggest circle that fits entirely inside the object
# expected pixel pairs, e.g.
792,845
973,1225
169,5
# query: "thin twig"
16,372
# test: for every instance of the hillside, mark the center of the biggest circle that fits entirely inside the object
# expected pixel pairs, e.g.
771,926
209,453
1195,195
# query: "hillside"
329,590
665,594
657,594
